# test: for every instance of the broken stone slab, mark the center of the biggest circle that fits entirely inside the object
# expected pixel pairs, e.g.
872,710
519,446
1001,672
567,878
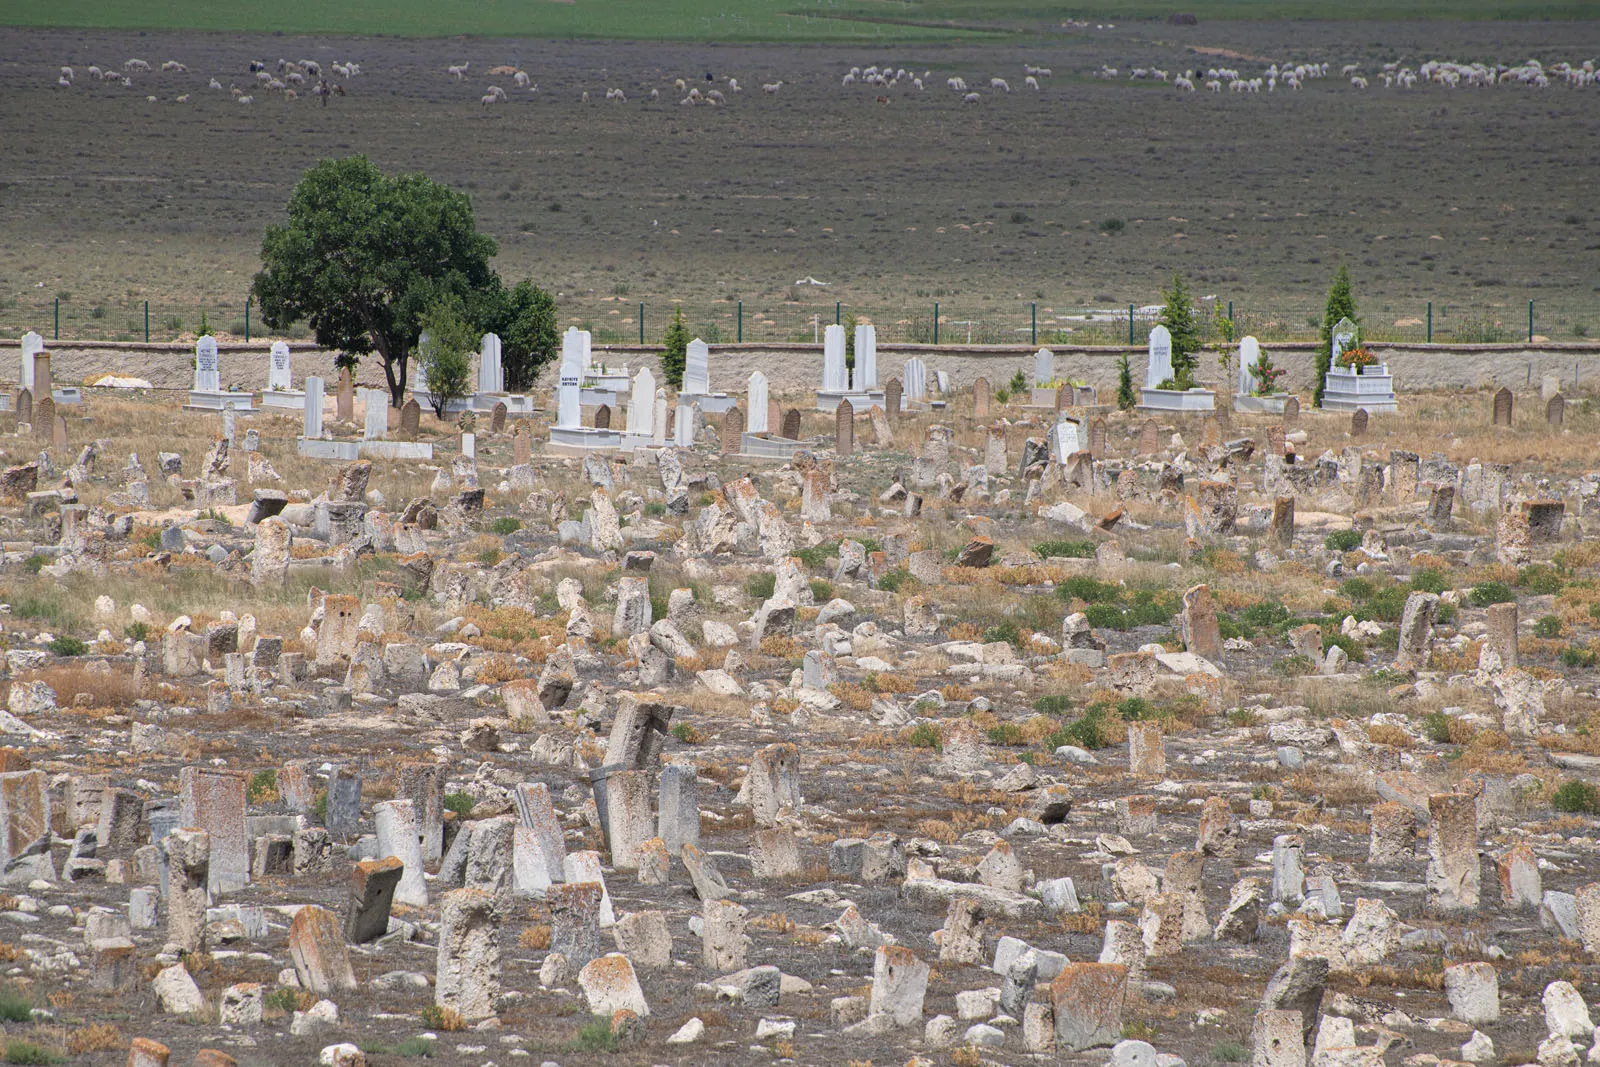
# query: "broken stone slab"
936,893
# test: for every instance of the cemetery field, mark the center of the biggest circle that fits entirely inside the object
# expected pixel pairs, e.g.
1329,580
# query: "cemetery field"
1087,194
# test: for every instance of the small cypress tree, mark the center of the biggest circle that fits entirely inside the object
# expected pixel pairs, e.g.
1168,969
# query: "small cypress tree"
1341,305
1127,399
1179,317
675,349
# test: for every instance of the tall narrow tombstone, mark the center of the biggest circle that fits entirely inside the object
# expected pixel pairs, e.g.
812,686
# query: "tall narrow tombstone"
658,419
774,415
521,446
1158,367
1149,438
23,405
411,420
791,424
835,371
213,801
58,439
497,415
844,428
32,345
375,403
916,383
1291,412
1345,334
569,386
866,369
312,428
1249,358
491,373
43,380
732,431
697,369
757,399
1502,406
1358,423
278,377
602,417
1044,367
1097,438
1063,440
44,416
345,401
207,370
980,398
892,398
1275,441
641,403
1555,411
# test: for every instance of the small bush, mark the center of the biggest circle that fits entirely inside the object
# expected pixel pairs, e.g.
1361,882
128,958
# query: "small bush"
447,1019
1436,727
68,646
460,803
1229,1052
1352,648
760,586
1089,732
1486,593
1358,589
33,564
1265,615
1089,590
821,591
1005,631
1549,626
686,734
1065,549
595,1036
505,525
891,582
1429,581
26,1052
1576,797
1294,666
1106,617
15,1006
1007,733
1541,579
136,631
1342,541
415,1048
263,787
1055,704
1133,709
1113,225
284,1000
925,735
1578,656
1153,607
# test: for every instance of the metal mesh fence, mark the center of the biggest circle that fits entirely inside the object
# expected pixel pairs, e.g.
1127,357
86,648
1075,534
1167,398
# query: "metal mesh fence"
805,313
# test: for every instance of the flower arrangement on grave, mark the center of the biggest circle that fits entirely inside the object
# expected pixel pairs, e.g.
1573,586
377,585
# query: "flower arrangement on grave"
1357,358
1266,376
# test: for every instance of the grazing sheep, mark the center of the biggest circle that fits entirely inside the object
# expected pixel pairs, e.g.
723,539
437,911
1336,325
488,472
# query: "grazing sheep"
883,99
970,98
263,77
149,99
1349,69
184,99
1043,72
917,82
655,94
64,81
1031,82
290,94
1183,84
999,83
295,78
687,100
247,99
680,85
489,98
460,70
172,66
713,95
313,68
66,72
1358,81
274,85
214,84
96,73
771,88
497,92
520,78
135,64
848,79
733,85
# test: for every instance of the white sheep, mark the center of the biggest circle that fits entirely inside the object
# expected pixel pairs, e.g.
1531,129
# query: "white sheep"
488,98
295,78
149,99
848,79
1043,72
1214,85
263,77
1031,82
290,94
497,92
135,64
313,68
999,83
246,99
585,96
1358,81
1183,84
64,81
687,101
733,85
713,95
1349,69
520,78
970,98
460,70
184,99
66,72
96,73
655,94
917,82
771,88
274,85
172,66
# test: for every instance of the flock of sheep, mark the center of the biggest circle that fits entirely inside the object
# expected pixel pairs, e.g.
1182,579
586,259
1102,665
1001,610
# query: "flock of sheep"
288,77
1394,75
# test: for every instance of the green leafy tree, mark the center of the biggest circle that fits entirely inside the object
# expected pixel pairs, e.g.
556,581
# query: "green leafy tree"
1341,305
525,318
1127,398
446,358
364,254
1179,317
675,349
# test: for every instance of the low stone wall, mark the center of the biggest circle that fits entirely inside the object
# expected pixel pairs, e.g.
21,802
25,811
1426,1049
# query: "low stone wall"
792,368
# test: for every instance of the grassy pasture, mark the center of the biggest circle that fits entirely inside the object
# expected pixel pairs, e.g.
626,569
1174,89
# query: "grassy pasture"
816,21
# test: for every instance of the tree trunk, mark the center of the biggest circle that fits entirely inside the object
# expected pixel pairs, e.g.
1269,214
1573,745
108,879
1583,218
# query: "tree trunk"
397,383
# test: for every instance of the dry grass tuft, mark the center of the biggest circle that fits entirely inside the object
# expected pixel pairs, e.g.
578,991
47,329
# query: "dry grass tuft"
1385,734
96,1037
534,937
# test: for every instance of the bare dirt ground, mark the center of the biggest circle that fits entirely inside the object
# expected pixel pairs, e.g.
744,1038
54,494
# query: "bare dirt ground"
1478,200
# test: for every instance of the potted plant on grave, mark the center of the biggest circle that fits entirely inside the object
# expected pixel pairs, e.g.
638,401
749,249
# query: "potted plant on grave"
1357,359
1266,376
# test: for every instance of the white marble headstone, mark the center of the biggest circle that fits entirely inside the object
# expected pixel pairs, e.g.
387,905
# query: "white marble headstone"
1249,356
915,374
491,374
1344,338
658,420
207,369
866,370
697,369
32,345
569,386
1044,366
313,414
469,445
757,422
642,403
1159,368
943,378
278,376
1063,440
835,375
683,429
376,414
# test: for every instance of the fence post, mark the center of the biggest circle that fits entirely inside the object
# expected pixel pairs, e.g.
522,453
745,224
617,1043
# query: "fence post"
147,322
1430,322
58,318
247,318
837,304
1035,322
1530,322
641,322
1230,312
1130,324
936,322
741,322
